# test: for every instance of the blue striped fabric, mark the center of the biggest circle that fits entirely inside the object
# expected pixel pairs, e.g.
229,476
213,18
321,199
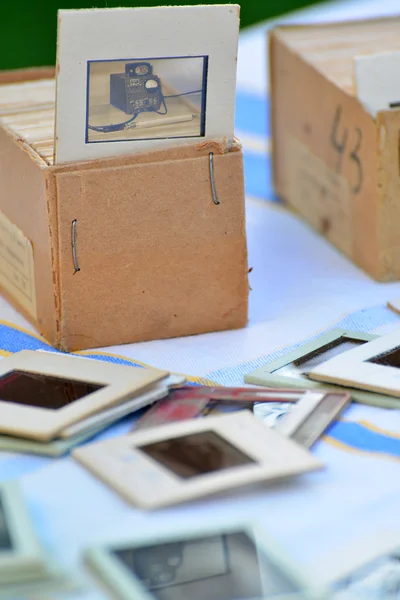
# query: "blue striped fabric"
346,434
366,320
252,114
252,120
13,339
364,439
258,175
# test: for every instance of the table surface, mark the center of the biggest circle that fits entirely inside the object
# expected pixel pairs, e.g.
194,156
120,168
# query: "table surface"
301,286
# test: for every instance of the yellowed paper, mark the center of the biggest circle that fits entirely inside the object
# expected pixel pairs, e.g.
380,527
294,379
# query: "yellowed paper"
319,194
16,265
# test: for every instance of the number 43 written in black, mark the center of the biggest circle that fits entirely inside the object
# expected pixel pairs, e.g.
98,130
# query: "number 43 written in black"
347,146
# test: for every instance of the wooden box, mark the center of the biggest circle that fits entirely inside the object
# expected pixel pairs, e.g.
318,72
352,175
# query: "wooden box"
122,249
333,162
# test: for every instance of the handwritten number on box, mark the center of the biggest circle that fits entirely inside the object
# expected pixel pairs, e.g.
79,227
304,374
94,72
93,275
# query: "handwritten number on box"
339,142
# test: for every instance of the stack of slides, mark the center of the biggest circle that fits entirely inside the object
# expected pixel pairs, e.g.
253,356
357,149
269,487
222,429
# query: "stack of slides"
50,402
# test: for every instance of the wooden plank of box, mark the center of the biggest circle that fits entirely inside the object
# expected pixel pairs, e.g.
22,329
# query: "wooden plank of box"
335,163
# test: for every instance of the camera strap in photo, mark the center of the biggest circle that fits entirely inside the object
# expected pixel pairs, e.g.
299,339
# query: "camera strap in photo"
116,126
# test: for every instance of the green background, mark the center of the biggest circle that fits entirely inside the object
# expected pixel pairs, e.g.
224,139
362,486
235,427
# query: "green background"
28,28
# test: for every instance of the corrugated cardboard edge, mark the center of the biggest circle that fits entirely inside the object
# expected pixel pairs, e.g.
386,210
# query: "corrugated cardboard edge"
52,212
270,37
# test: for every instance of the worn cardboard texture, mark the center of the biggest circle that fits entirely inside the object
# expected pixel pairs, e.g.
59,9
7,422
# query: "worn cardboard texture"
157,257
175,264
23,200
310,107
17,271
388,127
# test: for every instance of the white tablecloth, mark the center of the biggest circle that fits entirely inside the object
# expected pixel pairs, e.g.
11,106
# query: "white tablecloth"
300,286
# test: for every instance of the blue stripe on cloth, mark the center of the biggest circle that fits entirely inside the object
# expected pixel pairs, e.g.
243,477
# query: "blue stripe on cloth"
251,114
13,340
363,320
359,436
258,176
251,118
347,435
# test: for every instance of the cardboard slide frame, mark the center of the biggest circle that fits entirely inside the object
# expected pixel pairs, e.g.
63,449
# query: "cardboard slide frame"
195,458
159,32
24,557
118,382
116,576
367,367
268,376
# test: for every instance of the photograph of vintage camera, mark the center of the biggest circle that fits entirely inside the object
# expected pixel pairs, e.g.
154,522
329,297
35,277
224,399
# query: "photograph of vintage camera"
180,568
137,89
146,98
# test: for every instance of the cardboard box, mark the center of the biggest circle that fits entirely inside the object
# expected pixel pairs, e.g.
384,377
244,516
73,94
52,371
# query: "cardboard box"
157,257
334,163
